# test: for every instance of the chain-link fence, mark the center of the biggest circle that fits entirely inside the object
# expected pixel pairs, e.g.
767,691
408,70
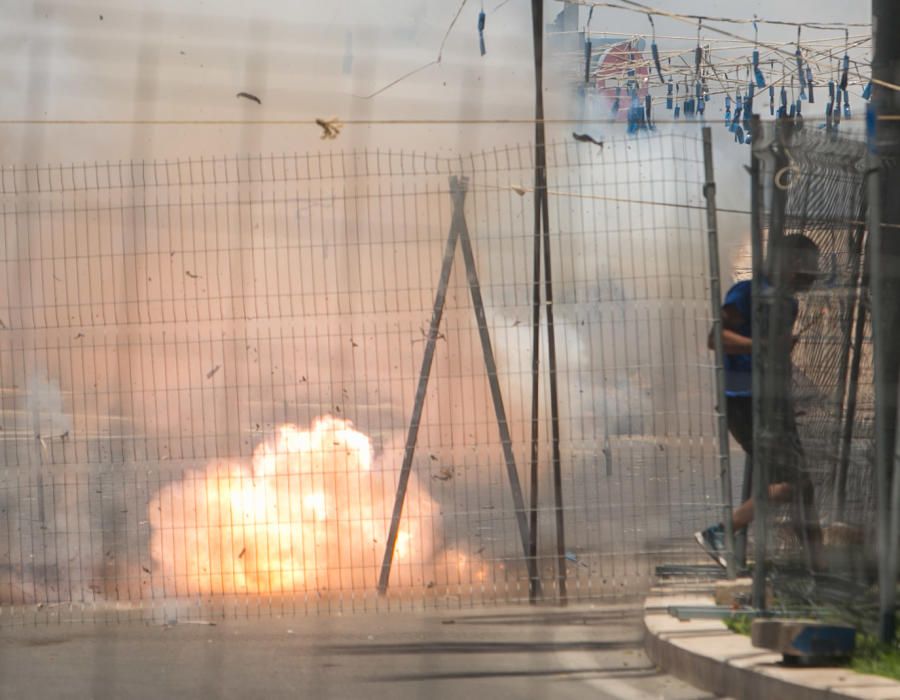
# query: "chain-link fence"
209,368
817,405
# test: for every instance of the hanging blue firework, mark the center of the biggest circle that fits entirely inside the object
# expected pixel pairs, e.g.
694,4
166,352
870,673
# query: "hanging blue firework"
836,114
867,91
669,98
739,135
782,110
801,74
481,19
736,120
617,101
677,111
727,110
587,60
689,105
771,100
809,83
747,108
757,73
847,113
845,69
648,107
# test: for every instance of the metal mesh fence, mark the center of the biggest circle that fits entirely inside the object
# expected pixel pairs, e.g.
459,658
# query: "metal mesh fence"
208,369
816,188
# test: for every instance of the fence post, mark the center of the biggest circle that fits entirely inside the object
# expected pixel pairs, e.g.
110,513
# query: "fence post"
886,457
715,285
759,463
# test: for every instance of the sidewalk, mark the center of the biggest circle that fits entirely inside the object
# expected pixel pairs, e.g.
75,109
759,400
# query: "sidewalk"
706,654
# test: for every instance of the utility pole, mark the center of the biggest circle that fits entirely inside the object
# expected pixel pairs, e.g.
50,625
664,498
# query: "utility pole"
884,223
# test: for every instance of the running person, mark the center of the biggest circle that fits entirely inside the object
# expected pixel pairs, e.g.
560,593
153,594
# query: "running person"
788,481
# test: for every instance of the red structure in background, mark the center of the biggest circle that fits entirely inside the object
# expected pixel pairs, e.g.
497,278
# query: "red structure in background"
618,66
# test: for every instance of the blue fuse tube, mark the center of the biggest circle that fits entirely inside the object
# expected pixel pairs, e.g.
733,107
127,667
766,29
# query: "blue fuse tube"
772,100
677,111
739,135
727,110
836,113
616,101
587,60
757,73
847,113
867,91
736,120
689,107
809,83
669,99
648,106
782,111
801,74
845,69
481,19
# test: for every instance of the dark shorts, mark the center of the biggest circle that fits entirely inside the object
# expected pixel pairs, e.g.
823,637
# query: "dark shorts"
787,462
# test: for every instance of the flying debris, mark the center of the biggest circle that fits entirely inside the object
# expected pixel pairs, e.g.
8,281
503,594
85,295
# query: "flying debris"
586,138
331,128
248,96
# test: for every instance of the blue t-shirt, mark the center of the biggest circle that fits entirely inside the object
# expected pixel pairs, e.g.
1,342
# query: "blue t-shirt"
738,368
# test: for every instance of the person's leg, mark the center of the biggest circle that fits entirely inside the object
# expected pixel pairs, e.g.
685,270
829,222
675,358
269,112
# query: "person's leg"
807,526
743,514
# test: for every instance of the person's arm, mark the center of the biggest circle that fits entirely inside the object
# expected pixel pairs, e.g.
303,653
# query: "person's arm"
733,343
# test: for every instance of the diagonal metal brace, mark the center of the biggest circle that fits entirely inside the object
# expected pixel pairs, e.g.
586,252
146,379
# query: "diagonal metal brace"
458,231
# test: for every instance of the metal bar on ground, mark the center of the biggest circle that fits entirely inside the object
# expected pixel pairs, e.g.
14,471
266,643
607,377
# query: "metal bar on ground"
715,284
458,193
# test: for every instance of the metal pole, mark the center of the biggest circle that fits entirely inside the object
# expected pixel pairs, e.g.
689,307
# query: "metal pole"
540,153
715,287
759,463
861,311
554,408
885,210
775,356
885,450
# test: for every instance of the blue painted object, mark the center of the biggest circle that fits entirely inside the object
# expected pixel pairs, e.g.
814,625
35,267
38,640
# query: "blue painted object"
825,641
669,99
757,73
867,91
587,60
481,19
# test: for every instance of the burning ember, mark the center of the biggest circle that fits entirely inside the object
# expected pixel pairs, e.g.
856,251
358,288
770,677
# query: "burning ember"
309,513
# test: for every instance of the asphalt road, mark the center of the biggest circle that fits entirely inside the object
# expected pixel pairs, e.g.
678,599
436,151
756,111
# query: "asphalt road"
583,652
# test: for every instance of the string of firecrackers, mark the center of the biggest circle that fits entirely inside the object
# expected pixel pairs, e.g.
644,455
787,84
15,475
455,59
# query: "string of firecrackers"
626,66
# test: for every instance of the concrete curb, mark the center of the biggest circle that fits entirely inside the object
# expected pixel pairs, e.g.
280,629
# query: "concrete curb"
709,656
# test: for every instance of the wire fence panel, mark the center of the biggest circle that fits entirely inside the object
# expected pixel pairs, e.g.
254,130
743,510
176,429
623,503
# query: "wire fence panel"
208,369
831,391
